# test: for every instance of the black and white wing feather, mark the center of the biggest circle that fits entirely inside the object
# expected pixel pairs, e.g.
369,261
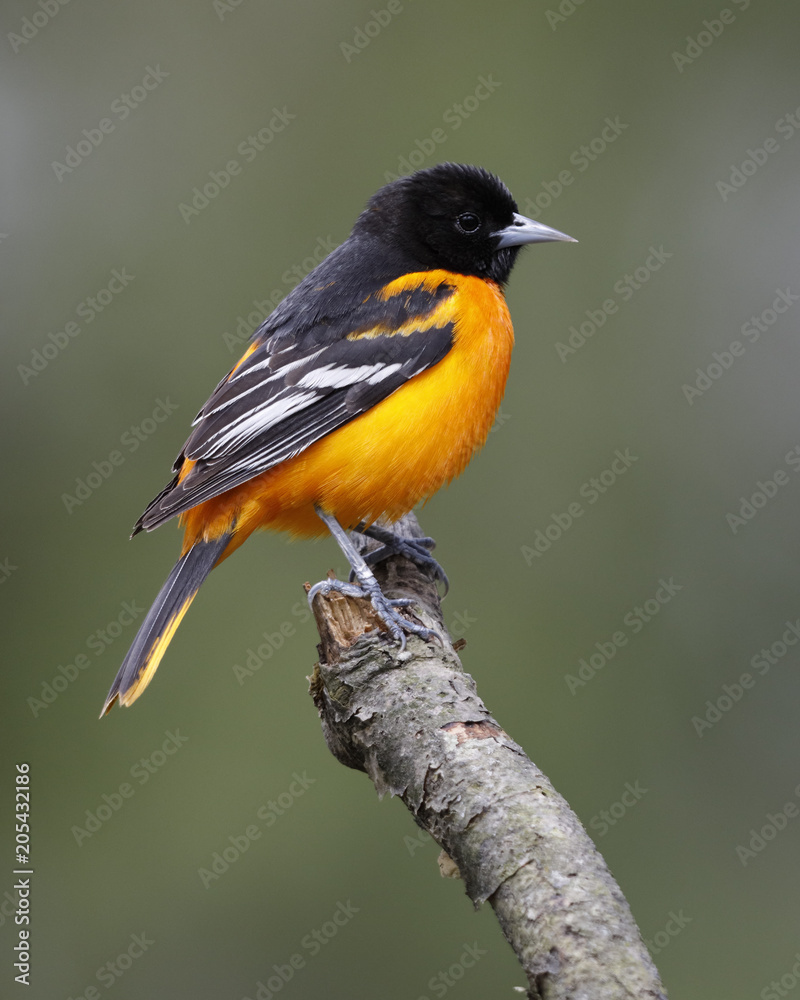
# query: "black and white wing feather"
313,366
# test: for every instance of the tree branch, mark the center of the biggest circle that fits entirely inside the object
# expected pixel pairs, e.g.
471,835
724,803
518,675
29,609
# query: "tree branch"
414,723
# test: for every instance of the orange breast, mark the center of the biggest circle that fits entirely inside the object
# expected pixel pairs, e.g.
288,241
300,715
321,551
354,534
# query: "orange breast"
399,452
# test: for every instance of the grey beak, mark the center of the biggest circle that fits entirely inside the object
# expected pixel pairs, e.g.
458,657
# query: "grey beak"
524,230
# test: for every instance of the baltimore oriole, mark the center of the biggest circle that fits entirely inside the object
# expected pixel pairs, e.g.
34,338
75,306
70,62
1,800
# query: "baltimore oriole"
368,388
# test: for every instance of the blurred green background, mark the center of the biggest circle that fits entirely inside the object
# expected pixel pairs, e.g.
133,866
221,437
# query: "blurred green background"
622,124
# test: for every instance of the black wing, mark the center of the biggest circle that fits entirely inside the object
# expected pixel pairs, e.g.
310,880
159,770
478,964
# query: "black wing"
323,357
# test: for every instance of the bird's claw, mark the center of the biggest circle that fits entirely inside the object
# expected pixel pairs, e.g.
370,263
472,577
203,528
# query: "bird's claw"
418,550
396,624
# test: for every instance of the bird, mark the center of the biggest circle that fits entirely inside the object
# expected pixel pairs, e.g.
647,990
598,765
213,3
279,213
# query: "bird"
370,386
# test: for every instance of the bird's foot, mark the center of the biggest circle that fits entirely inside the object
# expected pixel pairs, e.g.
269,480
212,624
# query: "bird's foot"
418,550
385,608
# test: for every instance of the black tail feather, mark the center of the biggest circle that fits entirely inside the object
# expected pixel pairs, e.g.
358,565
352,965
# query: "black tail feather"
162,619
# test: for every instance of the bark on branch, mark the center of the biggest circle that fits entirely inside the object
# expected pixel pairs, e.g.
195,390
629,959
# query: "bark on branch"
414,723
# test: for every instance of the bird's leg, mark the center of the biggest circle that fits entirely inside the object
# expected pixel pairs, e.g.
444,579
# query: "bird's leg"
418,550
386,608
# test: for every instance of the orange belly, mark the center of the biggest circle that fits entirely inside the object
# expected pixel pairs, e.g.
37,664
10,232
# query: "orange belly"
397,453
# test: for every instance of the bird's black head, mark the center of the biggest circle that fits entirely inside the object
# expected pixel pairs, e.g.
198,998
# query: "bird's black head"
455,217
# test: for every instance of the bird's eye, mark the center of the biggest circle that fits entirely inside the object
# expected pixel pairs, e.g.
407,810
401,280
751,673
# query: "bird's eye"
468,222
